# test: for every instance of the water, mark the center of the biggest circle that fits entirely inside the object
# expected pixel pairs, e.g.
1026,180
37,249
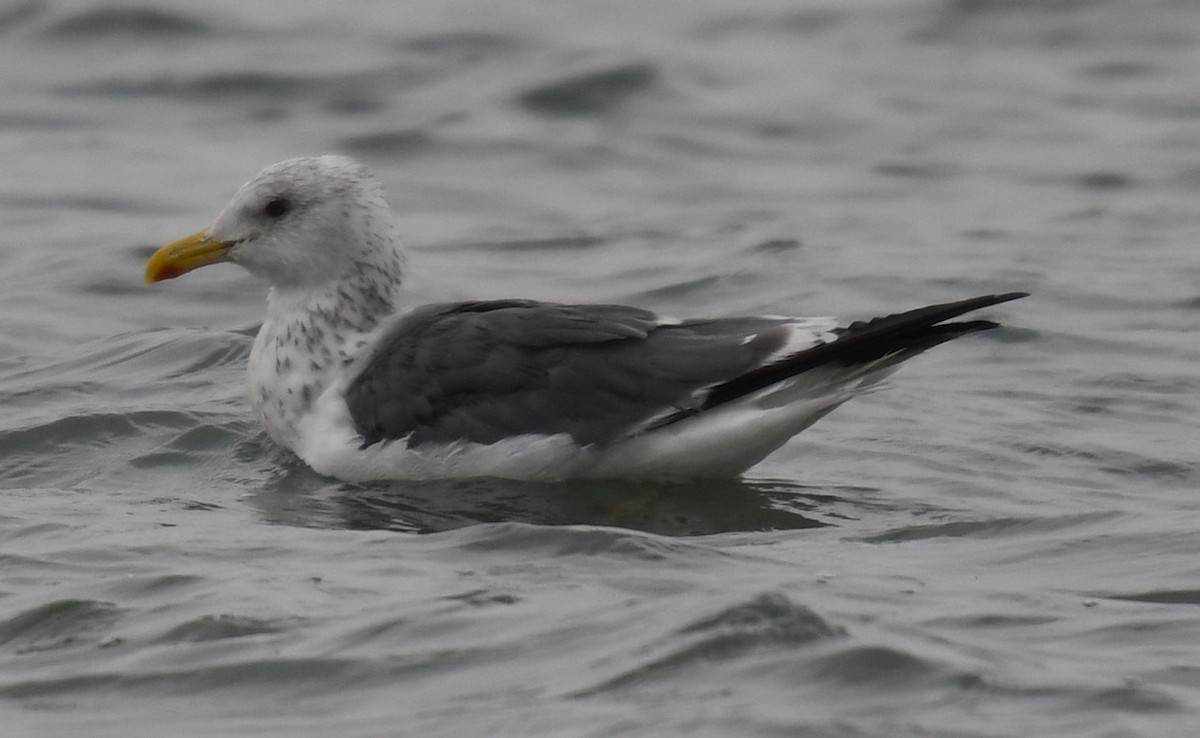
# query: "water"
1003,544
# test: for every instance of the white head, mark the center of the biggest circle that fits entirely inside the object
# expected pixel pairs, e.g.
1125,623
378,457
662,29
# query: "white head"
298,224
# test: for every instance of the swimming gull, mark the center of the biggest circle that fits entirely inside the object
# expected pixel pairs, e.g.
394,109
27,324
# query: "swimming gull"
361,388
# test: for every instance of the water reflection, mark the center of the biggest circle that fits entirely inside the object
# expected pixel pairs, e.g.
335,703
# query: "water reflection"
300,497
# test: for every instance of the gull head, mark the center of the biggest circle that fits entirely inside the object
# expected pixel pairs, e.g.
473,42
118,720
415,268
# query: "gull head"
299,224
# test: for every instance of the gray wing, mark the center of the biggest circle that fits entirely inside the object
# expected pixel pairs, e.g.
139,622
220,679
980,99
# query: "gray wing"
483,371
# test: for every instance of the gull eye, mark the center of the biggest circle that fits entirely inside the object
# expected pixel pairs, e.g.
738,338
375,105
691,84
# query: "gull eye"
277,208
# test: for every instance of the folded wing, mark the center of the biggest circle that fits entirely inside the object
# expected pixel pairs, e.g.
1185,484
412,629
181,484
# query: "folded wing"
485,371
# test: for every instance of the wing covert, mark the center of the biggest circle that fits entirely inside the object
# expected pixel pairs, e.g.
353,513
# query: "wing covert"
484,371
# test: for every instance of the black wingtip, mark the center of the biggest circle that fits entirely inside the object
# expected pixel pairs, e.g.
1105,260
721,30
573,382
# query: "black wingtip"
931,314
899,336
975,303
914,330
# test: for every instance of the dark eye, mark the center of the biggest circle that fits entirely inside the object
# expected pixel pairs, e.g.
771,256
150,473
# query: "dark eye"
277,208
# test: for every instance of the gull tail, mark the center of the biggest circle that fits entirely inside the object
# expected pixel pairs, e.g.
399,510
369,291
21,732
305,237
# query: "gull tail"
883,341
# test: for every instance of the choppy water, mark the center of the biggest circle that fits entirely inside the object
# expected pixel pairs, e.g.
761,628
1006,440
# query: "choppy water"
1004,544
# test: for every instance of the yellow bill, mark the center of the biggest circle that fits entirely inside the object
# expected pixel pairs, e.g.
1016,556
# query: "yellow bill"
184,255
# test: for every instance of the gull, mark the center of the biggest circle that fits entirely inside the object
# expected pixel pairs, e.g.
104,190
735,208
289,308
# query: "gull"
362,387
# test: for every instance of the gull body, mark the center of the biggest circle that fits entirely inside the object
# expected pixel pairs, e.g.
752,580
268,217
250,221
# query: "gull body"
362,388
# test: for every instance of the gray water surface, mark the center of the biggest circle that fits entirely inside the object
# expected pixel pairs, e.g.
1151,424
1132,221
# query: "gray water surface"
1004,543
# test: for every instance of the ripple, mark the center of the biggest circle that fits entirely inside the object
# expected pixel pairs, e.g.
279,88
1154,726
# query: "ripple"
682,288
1127,464
88,429
1137,698
1121,69
563,243
388,143
768,618
126,24
463,46
96,203
768,621
1017,6
799,22
287,677
876,664
1160,596
577,541
24,122
183,448
84,416
992,620
143,585
774,246
209,87
590,93
925,170
217,628
982,528
1104,180
58,624
483,598
139,360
